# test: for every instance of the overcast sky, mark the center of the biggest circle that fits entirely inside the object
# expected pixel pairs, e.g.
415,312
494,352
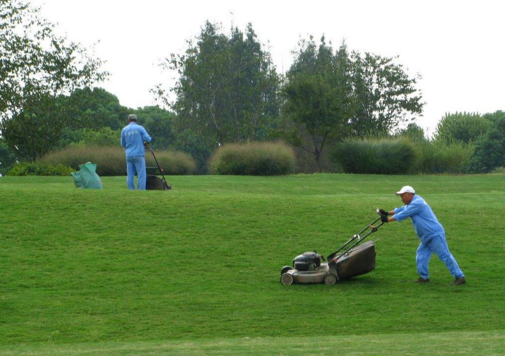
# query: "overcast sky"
457,47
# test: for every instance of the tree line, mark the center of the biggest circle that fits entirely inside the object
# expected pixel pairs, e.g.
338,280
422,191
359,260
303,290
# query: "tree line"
228,91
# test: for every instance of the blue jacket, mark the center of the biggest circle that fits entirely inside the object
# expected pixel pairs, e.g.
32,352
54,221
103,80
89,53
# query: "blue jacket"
132,138
424,220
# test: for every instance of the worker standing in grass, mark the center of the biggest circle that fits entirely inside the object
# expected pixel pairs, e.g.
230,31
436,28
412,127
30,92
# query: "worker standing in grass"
134,138
430,232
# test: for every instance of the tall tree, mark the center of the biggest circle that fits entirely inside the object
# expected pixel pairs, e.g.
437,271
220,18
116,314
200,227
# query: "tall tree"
333,95
385,95
94,108
318,96
7,157
36,66
226,91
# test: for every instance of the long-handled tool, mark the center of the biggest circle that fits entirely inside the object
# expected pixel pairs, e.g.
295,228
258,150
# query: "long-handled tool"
163,180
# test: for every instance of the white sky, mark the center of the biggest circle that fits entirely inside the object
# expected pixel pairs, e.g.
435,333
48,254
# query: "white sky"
457,47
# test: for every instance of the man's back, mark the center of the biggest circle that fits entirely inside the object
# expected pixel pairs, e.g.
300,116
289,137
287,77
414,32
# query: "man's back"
132,138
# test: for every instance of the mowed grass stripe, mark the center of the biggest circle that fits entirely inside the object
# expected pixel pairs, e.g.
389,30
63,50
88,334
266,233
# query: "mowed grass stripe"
442,344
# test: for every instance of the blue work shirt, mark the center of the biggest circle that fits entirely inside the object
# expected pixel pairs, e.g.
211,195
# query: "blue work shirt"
424,220
132,138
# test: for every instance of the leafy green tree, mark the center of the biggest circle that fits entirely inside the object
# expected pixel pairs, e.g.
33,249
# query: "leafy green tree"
490,148
158,123
413,132
464,128
334,95
37,66
7,157
35,130
318,96
226,91
495,116
385,96
94,108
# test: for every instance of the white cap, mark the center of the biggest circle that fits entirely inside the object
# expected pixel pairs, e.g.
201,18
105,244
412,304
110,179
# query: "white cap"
406,189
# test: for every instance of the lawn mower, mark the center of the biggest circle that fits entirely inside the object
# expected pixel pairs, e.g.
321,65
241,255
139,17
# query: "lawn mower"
153,182
354,258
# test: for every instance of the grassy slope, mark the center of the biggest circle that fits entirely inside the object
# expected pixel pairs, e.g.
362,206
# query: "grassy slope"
203,261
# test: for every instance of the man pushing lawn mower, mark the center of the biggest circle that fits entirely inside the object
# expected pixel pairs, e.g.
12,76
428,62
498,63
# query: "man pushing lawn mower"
428,229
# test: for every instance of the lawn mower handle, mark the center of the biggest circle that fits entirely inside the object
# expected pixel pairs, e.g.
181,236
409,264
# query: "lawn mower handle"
159,167
358,237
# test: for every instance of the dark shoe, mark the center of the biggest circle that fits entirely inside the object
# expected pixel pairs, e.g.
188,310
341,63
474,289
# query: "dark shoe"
459,281
422,280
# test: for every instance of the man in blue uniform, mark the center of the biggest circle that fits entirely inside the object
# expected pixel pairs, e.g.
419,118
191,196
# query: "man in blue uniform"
133,139
430,232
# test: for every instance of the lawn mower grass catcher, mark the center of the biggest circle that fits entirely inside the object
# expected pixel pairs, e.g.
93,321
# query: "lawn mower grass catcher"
354,258
153,182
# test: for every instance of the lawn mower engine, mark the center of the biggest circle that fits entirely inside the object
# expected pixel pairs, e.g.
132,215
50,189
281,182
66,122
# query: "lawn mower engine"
307,261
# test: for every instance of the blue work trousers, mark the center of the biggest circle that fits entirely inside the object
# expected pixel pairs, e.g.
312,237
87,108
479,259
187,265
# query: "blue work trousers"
136,164
437,245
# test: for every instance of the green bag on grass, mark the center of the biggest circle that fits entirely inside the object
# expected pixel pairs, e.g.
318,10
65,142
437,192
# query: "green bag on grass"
87,178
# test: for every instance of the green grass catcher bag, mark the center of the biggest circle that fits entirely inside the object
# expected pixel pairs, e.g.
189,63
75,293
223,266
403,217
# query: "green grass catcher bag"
86,177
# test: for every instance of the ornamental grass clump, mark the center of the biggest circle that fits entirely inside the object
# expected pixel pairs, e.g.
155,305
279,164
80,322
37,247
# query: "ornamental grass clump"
452,159
255,159
111,161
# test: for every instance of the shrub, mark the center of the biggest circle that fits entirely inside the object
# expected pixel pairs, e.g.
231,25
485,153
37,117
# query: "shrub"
436,158
111,161
384,156
490,149
39,169
255,158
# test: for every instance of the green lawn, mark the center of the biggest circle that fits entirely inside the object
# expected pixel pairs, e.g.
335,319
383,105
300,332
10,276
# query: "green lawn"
196,270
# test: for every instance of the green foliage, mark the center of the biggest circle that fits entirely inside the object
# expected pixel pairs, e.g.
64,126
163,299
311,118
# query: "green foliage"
35,130
89,137
37,66
490,148
94,108
95,117
463,128
255,159
454,158
7,157
158,123
39,169
413,132
495,116
111,161
102,137
384,95
317,95
334,96
384,156
226,91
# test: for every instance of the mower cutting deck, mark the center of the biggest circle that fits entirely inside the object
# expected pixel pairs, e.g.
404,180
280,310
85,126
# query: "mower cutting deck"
352,259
